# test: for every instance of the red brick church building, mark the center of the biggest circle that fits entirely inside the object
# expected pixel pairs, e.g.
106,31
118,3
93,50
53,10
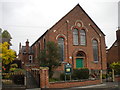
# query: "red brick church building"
82,43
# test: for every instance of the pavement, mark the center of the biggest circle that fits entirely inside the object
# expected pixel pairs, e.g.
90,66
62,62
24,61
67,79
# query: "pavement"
103,86
34,89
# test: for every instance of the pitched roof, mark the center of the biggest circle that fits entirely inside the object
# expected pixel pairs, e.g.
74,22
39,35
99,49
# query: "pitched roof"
64,17
84,12
24,50
114,44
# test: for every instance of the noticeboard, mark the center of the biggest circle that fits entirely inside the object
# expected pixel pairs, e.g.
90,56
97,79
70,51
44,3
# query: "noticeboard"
68,68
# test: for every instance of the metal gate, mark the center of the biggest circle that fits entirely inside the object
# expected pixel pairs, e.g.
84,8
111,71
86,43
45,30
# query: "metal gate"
33,78
109,75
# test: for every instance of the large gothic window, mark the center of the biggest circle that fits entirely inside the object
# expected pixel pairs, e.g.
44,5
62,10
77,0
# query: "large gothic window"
82,37
61,46
75,36
95,49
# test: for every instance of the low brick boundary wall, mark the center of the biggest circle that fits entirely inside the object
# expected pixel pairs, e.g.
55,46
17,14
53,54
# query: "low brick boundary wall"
73,83
117,79
44,81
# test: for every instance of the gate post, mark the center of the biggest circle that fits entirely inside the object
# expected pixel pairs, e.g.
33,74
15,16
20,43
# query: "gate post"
44,77
101,76
113,76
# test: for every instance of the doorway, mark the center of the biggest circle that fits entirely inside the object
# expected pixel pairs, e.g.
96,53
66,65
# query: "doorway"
79,63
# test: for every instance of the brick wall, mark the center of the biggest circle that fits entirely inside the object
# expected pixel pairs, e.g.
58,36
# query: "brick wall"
64,28
118,41
72,84
117,79
44,81
112,54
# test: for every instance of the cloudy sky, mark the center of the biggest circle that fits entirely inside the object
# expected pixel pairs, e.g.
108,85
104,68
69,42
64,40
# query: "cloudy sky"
29,19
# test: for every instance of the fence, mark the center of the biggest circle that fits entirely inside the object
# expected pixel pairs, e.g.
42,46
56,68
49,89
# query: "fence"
13,79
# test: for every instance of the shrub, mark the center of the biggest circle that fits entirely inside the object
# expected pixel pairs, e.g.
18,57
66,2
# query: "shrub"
103,76
116,67
53,80
82,73
18,79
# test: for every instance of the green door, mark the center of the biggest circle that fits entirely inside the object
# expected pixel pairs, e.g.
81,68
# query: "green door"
79,63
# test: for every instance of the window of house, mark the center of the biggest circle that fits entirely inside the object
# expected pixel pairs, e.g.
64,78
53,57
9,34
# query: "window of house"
38,47
61,48
44,43
75,36
82,37
116,44
30,58
95,50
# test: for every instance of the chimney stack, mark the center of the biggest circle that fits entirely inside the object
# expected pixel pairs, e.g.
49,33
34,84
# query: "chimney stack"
20,48
27,46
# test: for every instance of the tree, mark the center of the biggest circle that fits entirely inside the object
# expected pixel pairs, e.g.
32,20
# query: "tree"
116,67
49,57
6,34
7,55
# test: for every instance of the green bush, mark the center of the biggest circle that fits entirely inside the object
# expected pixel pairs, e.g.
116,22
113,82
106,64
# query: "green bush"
53,80
82,73
103,76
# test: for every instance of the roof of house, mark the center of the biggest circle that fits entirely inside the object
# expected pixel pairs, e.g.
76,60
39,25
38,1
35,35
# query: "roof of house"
24,50
114,44
64,17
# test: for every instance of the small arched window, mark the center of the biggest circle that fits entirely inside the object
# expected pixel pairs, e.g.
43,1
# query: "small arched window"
39,47
80,54
44,43
95,49
61,48
82,37
75,36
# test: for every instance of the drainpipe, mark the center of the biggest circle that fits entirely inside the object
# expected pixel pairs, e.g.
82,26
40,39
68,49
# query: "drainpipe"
67,26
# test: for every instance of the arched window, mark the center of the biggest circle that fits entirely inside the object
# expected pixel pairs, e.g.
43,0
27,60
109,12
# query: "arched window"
95,49
39,47
44,43
82,37
75,36
61,46
80,54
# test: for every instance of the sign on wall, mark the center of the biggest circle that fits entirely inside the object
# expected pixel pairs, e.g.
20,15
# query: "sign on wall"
68,68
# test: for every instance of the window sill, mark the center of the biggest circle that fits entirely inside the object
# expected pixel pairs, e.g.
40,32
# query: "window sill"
83,45
75,45
96,62
80,45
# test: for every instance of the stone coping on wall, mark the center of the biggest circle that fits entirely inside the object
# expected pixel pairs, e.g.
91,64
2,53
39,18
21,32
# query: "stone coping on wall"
44,67
67,84
82,80
117,78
